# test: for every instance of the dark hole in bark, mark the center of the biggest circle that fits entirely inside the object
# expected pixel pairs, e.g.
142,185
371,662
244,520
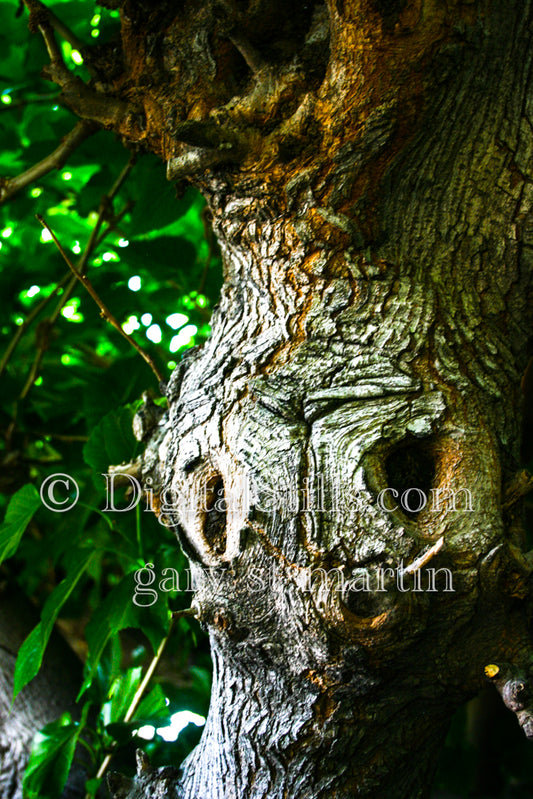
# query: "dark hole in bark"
410,470
390,11
362,602
215,517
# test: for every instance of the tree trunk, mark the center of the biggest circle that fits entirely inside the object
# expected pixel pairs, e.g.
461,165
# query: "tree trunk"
50,694
367,165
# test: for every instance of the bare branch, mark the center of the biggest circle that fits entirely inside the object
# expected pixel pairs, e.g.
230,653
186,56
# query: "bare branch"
52,46
105,313
69,439
85,101
64,31
103,215
51,97
94,240
56,160
192,612
197,160
47,22
13,344
115,220
40,20
123,471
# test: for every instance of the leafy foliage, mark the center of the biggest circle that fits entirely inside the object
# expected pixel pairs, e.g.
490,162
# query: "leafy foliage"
52,755
111,441
20,510
31,653
70,387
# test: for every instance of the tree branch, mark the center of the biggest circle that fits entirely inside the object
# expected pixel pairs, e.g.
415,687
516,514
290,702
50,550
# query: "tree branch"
85,101
198,160
56,160
26,324
105,313
103,215
40,20
425,558
94,240
47,21
515,688
51,97
64,31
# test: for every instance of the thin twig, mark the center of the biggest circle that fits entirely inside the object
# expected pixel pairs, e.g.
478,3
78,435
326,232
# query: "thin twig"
56,160
94,241
64,31
40,18
86,101
69,439
136,699
35,367
50,321
40,10
46,21
52,97
103,211
52,48
147,677
26,324
105,313
114,221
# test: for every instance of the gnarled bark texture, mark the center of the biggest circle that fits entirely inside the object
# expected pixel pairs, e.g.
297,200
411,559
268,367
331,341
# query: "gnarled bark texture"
368,168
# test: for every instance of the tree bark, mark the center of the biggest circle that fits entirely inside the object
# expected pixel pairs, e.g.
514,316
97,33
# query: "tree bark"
48,696
368,167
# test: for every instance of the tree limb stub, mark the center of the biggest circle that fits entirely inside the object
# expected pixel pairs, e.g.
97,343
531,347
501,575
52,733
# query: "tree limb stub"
515,688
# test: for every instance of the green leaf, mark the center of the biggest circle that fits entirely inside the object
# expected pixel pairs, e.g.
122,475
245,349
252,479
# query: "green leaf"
152,710
117,612
112,441
152,706
121,695
29,659
93,191
156,204
19,513
51,757
30,655
122,384
155,255
91,786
